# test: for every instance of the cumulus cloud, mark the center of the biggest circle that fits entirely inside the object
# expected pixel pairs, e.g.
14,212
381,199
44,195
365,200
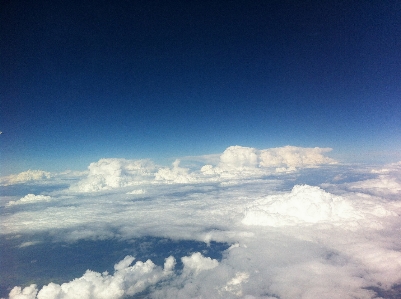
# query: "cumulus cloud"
126,281
235,162
25,293
24,177
294,157
244,161
176,174
289,239
107,174
307,204
197,263
29,198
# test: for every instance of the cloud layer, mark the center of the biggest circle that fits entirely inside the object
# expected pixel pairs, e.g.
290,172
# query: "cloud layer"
339,239
234,162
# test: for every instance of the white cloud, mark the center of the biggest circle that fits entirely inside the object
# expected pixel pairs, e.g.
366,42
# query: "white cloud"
235,162
107,174
239,161
24,177
234,285
176,174
307,204
137,192
29,198
25,293
291,240
382,185
127,280
29,243
292,157
197,263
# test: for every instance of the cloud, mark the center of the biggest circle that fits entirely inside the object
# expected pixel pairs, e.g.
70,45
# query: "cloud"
383,185
382,181
239,161
126,281
107,174
234,163
26,293
29,243
294,157
176,174
24,177
307,204
197,263
289,239
29,198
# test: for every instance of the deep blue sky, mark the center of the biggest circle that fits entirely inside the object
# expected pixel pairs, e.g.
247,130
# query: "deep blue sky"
82,80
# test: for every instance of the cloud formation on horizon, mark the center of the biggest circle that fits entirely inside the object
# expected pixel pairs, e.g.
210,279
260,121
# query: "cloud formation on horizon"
234,162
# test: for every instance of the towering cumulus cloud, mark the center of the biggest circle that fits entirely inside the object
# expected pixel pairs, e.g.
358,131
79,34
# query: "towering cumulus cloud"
108,174
294,157
244,161
250,225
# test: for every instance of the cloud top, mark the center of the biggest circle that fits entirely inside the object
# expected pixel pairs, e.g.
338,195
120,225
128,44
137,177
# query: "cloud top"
29,198
127,280
235,162
286,238
307,205
24,177
107,174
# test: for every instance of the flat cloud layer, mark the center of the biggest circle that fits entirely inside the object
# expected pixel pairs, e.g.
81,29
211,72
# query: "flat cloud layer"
287,238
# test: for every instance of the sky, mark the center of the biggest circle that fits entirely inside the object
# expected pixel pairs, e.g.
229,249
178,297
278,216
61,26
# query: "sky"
84,80
203,149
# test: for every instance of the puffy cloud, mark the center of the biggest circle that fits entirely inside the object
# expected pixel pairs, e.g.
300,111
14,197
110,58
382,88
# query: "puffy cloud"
197,263
339,240
176,174
307,204
30,198
107,174
126,281
239,157
235,162
26,293
239,161
24,177
294,157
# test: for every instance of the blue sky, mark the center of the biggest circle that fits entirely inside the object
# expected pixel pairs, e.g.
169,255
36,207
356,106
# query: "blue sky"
84,80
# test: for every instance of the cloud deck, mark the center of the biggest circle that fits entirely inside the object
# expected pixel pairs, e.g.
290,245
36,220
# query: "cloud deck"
285,238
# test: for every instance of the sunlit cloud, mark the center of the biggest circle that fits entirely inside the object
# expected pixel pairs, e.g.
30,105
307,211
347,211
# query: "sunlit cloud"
29,198
285,240
24,177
